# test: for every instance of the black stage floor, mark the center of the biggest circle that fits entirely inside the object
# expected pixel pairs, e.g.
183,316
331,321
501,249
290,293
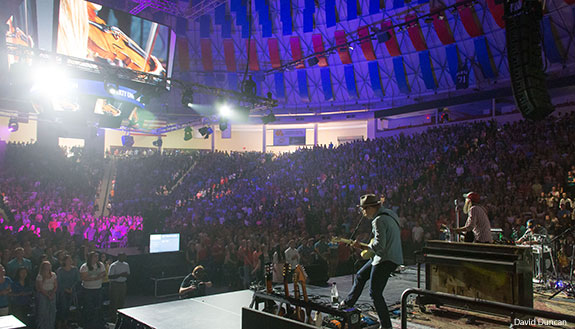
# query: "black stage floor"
224,310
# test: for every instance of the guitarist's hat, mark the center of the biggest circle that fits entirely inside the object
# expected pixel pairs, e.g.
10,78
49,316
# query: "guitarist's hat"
369,200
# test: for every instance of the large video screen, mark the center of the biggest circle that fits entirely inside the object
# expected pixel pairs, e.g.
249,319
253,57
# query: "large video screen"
94,32
21,26
164,242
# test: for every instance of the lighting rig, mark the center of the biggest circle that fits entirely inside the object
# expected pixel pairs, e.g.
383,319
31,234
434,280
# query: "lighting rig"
378,34
172,8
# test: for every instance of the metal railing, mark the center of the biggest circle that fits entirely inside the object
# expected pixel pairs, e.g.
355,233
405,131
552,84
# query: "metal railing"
513,309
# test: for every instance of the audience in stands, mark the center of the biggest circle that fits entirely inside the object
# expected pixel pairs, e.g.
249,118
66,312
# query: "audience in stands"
238,211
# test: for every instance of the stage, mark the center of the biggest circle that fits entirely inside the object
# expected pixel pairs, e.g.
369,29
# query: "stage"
224,310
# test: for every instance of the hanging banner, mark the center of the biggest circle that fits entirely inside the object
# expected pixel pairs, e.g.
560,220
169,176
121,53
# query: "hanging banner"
285,137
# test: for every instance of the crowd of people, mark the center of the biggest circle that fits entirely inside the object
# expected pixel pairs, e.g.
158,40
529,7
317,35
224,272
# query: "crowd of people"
239,211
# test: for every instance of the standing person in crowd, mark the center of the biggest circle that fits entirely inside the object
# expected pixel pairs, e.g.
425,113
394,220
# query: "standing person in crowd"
195,283
92,272
386,245
46,287
118,275
68,278
5,290
17,262
292,255
21,295
477,220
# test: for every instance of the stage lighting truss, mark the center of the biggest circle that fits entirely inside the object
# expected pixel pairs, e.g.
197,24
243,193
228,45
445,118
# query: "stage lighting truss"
104,71
172,8
254,103
84,66
378,34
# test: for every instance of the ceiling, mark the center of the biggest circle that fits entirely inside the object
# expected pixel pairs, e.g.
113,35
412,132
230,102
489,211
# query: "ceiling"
427,46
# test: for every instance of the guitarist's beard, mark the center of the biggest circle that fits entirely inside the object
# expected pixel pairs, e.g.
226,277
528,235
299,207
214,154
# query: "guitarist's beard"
467,206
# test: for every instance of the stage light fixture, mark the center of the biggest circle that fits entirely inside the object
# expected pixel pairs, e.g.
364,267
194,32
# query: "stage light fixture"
51,80
13,125
313,61
223,125
188,98
383,36
127,141
249,87
225,110
188,133
428,20
268,118
158,142
206,132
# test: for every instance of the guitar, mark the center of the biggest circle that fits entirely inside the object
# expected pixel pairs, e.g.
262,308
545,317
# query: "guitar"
301,279
286,272
299,313
366,253
270,305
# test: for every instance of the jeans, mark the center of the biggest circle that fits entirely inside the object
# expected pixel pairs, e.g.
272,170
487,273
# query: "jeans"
92,309
379,275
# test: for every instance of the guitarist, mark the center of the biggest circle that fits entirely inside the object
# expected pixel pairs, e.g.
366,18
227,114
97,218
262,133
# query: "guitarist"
386,244
477,226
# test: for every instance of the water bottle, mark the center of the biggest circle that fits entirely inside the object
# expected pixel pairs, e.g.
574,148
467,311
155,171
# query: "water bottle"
334,294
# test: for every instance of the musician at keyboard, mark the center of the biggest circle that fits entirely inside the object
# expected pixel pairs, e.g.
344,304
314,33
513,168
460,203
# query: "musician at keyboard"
535,234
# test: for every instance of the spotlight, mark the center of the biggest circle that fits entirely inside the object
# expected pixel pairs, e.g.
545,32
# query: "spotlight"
188,98
51,80
188,133
249,87
268,118
206,132
383,36
158,142
127,141
223,125
313,61
13,125
225,110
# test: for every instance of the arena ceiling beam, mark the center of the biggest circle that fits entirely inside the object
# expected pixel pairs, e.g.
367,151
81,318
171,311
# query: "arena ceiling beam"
467,98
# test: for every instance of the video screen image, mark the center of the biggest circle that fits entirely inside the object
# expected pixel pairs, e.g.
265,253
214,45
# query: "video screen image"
164,242
91,31
21,27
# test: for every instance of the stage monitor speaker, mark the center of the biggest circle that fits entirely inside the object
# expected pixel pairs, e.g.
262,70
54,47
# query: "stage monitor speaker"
253,319
523,37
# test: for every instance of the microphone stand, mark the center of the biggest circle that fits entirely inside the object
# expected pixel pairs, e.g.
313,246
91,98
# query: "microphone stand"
352,237
456,220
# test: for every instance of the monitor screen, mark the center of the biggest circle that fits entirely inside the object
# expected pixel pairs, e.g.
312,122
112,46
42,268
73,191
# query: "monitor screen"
164,242
97,33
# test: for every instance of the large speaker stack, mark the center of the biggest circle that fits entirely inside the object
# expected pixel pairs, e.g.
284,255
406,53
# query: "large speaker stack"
523,35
